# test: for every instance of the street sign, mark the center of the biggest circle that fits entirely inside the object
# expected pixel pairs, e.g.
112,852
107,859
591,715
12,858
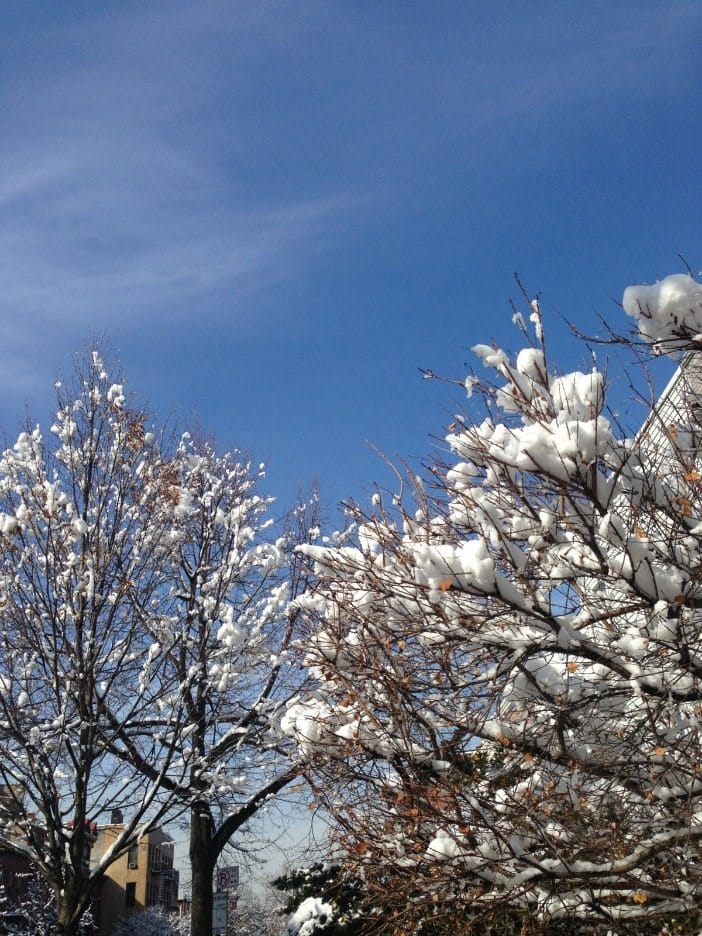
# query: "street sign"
219,914
228,877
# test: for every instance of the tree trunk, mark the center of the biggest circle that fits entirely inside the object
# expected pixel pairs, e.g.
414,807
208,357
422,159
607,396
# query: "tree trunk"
207,843
68,911
65,926
202,864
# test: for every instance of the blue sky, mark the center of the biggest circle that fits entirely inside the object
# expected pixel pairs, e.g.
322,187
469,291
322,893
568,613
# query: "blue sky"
277,212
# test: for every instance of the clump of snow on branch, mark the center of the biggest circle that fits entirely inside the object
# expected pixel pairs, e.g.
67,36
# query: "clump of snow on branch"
667,313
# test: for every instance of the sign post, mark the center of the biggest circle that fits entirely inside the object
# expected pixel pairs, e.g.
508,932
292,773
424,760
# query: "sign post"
219,913
227,879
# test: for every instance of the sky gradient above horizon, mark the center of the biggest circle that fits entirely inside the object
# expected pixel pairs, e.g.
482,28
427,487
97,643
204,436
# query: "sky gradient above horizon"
275,213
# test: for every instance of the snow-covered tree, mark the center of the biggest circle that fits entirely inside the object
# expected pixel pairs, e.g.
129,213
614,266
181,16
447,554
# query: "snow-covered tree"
255,914
229,583
27,905
84,522
152,922
509,669
144,637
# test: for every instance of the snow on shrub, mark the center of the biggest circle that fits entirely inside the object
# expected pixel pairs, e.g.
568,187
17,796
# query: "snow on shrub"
310,916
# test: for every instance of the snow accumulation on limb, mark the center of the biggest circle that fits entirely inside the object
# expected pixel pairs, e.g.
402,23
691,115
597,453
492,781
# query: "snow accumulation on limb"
668,313
509,677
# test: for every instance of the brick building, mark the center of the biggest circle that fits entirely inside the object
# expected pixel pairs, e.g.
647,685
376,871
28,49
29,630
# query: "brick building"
142,877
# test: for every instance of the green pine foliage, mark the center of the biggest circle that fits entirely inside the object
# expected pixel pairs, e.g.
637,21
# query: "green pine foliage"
326,881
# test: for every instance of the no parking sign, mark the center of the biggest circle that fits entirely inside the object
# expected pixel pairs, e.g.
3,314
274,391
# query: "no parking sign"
228,877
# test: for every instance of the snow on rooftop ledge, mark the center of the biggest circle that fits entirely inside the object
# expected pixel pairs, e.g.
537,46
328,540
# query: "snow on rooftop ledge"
669,311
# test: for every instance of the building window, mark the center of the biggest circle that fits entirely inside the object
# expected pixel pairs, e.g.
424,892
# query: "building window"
133,857
130,894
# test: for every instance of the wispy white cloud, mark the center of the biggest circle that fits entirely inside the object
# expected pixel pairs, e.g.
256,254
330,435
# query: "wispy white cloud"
171,156
120,191
128,155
